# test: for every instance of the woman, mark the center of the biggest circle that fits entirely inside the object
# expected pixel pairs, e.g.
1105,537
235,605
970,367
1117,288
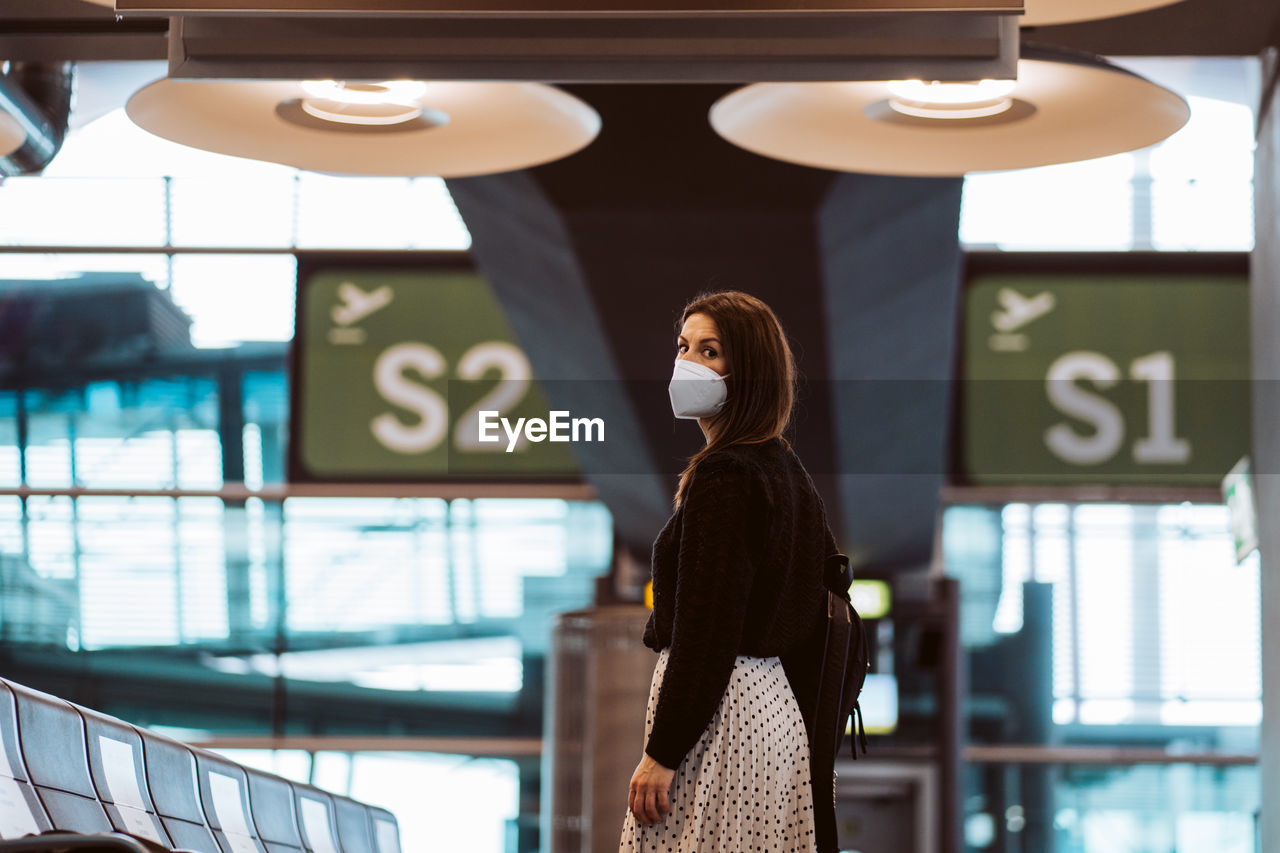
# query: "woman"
737,604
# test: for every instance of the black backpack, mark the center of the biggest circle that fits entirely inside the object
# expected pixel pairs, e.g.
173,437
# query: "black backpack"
845,660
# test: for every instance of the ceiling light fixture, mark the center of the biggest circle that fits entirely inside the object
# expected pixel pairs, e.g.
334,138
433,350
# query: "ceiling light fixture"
1040,12
400,128
1063,107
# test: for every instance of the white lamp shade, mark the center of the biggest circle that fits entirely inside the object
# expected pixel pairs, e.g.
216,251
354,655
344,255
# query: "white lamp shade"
467,128
1040,12
1061,112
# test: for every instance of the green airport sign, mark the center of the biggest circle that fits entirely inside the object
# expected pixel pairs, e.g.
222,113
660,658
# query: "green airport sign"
1103,378
394,368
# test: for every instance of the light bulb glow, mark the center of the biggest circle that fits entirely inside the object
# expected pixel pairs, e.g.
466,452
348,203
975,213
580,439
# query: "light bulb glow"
935,92
386,103
386,92
936,99
366,114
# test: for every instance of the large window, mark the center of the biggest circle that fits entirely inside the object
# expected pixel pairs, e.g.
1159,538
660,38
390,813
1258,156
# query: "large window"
1154,623
426,792
115,186
1192,192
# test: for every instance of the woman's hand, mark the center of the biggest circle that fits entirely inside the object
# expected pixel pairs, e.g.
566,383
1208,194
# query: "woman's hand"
649,797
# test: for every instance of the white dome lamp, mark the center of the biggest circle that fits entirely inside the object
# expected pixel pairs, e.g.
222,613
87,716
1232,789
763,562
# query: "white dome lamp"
390,128
1063,107
1041,12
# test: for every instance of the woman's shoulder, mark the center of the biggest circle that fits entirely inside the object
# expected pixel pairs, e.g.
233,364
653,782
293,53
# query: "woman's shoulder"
724,461
764,458
750,452
753,465
772,468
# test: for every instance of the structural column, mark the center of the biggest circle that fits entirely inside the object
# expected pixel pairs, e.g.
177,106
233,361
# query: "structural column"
1265,314
592,258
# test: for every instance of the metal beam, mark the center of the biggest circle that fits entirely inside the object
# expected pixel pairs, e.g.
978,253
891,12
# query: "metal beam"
69,30
719,9
739,49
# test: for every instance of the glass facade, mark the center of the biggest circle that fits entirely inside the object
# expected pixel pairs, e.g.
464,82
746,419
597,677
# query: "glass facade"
427,792
1109,808
1129,627
217,613
1153,623
1192,192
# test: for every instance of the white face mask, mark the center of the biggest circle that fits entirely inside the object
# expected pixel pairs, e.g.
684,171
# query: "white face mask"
696,390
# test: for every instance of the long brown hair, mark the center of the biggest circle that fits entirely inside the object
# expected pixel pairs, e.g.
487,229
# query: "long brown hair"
762,385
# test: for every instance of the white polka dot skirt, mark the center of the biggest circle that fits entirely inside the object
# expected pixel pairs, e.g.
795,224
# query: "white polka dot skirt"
745,785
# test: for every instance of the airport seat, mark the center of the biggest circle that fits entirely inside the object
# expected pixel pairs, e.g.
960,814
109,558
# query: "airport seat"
72,778
173,784
118,771
355,827
386,832
59,775
224,792
274,813
316,819
21,812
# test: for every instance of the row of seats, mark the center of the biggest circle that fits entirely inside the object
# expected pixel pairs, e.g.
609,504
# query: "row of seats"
64,767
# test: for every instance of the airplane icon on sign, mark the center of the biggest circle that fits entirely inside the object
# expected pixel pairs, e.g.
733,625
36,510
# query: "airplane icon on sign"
356,304
1017,310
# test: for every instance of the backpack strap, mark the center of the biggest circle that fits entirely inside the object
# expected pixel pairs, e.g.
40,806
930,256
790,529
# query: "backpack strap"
859,732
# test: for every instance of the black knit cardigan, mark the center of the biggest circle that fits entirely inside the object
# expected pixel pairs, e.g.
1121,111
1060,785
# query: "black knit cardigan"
737,570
